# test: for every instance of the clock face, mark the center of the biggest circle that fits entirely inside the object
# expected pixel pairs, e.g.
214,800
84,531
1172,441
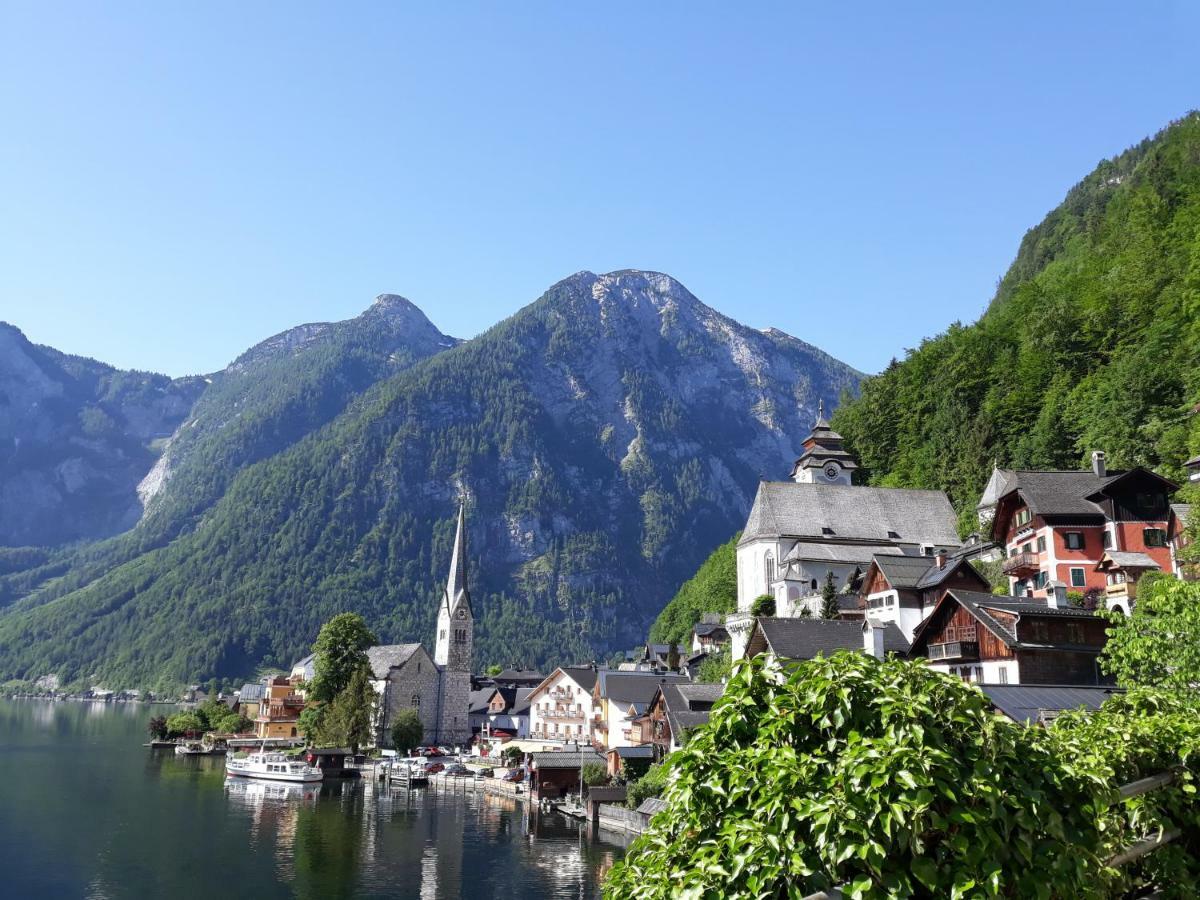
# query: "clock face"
831,471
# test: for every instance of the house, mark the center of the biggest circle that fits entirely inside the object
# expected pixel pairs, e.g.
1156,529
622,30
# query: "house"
674,710
1041,704
619,698
630,760
527,678
556,774
304,669
1057,525
561,707
279,710
500,713
792,640
250,698
709,634
818,524
1006,640
905,589
1193,468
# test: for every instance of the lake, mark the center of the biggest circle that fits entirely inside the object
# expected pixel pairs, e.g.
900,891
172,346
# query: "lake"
86,811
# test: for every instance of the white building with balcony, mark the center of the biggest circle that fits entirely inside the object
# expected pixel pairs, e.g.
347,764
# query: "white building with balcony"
561,708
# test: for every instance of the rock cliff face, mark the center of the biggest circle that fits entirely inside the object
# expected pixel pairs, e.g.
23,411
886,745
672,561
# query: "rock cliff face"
607,437
76,437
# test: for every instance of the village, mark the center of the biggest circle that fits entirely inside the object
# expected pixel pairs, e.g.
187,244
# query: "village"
823,565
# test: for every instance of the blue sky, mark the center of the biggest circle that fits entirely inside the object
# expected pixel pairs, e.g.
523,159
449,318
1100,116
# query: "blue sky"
179,181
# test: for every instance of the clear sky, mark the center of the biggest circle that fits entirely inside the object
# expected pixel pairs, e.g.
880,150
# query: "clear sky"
179,181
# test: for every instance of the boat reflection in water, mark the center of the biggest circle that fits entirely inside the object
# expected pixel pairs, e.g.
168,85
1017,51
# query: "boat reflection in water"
255,793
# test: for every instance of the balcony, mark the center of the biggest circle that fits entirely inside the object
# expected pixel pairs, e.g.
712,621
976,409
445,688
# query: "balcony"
575,714
1021,564
957,650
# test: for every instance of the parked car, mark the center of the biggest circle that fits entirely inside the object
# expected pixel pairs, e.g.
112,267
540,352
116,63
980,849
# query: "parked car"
486,773
515,776
432,768
458,769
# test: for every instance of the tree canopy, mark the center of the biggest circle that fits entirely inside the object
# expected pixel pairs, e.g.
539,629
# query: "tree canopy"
340,651
1158,643
407,731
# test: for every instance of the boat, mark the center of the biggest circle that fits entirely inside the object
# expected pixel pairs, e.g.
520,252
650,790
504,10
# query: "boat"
192,748
271,766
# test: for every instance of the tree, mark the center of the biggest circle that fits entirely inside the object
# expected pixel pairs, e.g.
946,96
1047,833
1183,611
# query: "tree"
715,668
233,723
340,651
311,719
407,731
712,589
185,724
763,605
673,657
157,727
211,712
594,774
494,670
829,604
348,722
652,783
1158,643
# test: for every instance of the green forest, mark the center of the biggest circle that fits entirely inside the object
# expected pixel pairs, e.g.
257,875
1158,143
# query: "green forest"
1092,342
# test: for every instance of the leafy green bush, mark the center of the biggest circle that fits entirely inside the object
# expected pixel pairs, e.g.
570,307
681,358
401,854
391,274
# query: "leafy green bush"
763,605
651,784
185,723
893,780
594,774
1158,644
407,731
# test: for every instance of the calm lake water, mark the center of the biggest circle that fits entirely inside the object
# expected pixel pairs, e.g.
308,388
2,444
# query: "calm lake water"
85,811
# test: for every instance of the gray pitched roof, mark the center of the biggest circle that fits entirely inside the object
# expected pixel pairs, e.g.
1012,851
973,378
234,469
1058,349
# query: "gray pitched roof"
688,705
1181,511
706,628
904,572
1059,493
851,513
252,691
806,638
1128,559
565,759
1192,463
1030,703
478,701
848,553
385,657
633,687
981,606
644,751
520,704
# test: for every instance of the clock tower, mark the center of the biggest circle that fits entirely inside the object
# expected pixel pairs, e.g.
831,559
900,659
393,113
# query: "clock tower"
824,460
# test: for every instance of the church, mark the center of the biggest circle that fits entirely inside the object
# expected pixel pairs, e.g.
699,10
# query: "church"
405,676
818,522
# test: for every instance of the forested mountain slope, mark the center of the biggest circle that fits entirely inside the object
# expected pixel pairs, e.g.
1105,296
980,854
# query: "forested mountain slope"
608,437
1092,342
76,437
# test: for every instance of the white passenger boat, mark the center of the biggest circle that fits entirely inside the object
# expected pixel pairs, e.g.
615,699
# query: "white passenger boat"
271,766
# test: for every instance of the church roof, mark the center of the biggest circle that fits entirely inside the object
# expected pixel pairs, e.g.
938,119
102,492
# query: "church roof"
846,553
456,583
836,513
385,657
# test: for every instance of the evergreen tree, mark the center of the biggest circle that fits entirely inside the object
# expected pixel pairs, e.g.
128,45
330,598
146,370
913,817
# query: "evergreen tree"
829,604
348,722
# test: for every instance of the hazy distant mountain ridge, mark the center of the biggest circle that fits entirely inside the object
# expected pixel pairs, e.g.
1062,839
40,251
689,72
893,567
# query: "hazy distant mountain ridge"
607,436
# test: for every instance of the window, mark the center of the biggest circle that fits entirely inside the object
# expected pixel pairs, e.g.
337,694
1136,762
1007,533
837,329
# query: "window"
416,702
1074,633
769,567
1041,543
1023,516
1012,551
1106,539
1150,501
1040,580
1077,578
1027,548
1002,673
1154,537
460,635
1073,540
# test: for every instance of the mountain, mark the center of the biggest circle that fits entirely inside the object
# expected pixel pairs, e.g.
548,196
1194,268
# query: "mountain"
76,437
1092,342
607,437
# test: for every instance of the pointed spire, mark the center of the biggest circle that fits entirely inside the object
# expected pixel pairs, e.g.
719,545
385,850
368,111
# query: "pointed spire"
456,584
822,422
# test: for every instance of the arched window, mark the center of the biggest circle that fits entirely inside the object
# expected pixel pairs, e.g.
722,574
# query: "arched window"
416,701
769,565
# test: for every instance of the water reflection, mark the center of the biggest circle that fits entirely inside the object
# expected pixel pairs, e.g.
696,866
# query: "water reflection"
94,814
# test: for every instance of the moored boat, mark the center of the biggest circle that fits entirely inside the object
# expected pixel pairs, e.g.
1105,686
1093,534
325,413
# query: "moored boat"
271,767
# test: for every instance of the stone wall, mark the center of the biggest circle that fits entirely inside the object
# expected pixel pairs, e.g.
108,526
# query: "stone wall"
419,678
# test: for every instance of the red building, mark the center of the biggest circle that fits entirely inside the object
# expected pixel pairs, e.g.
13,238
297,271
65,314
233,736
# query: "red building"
1061,525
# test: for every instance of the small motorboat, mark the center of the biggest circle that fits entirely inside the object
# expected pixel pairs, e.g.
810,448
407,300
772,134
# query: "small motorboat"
271,767
191,748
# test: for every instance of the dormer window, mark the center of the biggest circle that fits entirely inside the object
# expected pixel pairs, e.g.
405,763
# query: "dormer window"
893,535
825,529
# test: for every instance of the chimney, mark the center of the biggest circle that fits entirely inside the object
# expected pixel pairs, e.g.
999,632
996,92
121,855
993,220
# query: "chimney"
1056,594
1098,465
873,638
939,557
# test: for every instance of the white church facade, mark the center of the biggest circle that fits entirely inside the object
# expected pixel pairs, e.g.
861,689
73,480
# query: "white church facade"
818,522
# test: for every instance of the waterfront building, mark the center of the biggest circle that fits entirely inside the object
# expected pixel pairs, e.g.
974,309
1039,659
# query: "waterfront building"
500,713
799,532
674,710
279,710
619,698
1058,526
1009,640
561,708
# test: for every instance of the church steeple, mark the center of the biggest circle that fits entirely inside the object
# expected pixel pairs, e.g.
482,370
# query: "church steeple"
456,583
456,624
824,460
